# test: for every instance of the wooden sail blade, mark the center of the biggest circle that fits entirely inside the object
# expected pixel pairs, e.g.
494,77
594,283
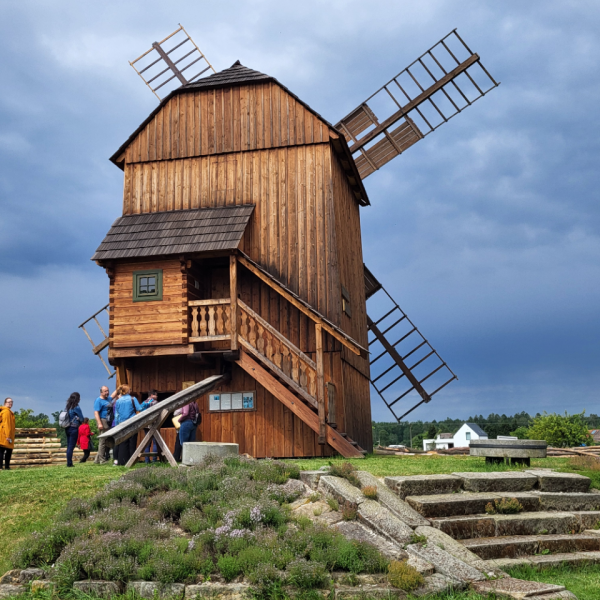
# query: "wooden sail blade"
429,92
406,371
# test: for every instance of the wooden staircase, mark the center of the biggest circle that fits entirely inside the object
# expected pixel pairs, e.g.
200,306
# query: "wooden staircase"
287,373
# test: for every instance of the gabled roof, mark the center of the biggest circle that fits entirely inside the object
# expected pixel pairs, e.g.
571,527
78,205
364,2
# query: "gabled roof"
476,429
175,232
238,74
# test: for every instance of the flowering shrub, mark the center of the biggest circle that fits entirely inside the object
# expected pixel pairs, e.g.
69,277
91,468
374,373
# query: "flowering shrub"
304,574
171,504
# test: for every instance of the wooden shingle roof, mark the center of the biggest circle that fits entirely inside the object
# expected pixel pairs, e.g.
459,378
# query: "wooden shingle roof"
175,232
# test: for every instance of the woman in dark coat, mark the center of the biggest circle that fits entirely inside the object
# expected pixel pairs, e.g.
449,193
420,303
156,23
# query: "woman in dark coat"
76,419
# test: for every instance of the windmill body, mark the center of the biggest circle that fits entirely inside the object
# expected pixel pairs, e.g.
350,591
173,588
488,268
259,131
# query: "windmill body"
239,251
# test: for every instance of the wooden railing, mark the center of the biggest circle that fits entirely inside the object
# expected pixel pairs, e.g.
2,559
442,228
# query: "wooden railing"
263,341
211,320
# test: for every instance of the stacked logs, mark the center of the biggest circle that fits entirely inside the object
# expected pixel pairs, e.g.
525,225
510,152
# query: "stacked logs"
39,447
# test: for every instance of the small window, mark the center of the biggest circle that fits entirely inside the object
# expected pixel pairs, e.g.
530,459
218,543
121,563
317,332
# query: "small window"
233,401
468,434
346,308
147,285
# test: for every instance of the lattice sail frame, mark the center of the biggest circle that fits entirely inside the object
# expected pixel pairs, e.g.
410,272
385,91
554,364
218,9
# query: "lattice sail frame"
159,78
437,86
391,376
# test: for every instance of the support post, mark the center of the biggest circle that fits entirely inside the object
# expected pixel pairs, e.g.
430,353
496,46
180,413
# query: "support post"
152,432
233,310
320,385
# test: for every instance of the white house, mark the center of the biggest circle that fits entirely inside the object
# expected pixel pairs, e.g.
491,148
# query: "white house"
461,439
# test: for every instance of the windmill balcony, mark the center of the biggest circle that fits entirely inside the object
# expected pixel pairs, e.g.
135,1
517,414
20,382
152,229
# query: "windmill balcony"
210,320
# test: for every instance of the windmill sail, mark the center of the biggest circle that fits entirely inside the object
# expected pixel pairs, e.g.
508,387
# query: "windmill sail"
429,92
404,365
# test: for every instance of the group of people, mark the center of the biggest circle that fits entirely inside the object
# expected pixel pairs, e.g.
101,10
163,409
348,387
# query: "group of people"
113,409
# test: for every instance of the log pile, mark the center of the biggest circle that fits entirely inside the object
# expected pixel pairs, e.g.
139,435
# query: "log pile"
40,448
593,451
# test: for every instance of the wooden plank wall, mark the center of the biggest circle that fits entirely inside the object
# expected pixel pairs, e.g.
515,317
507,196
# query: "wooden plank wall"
148,323
357,407
247,117
269,431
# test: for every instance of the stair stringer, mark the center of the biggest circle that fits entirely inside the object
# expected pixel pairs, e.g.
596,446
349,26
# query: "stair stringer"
297,406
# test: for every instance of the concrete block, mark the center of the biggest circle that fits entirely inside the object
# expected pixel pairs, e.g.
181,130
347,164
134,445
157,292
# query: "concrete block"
420,485
508,481
524,449
195,452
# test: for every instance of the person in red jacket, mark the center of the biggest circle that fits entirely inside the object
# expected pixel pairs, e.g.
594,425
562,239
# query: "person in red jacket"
83,439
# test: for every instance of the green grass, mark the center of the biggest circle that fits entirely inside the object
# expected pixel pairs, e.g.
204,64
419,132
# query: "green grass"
30,498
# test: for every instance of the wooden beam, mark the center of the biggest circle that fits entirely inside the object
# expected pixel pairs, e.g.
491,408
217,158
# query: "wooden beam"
422,97
213,302
331,329
151,433
303,412
320,384
150,351
233,292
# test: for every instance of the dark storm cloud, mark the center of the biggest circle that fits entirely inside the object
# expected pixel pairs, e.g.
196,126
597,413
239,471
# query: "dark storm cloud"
486,232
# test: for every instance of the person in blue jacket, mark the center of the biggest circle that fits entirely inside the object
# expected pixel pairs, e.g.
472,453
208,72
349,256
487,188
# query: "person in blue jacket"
125,408
76,419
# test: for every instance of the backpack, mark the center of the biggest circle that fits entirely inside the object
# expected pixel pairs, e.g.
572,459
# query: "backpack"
110,413
63,419
195,416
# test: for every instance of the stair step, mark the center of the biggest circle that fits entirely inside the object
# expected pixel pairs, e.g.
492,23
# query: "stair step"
529,523
569,501
450,505
529,545
421,485
503,481
541,561
550,481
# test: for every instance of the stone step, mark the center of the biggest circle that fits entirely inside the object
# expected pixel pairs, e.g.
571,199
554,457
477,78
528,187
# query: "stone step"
542,561
421,485
569,500
551,481
529,545
450,505
504,481
529,523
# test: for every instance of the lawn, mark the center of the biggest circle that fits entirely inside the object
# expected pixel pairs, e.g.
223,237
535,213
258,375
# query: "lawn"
29,500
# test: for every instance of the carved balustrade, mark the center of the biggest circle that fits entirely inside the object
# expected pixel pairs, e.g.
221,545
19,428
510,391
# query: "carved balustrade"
210,320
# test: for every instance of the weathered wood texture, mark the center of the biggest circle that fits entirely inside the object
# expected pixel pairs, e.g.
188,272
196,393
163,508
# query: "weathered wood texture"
157,323
246,117
271,430
356,406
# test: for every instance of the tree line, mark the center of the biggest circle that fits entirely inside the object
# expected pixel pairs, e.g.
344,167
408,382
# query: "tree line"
386,434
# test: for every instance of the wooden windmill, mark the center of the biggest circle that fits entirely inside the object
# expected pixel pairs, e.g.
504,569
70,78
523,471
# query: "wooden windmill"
239,251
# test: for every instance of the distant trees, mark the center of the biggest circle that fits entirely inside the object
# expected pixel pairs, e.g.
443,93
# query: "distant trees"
560,431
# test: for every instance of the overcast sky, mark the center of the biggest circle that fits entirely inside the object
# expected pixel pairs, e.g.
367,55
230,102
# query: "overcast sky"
486,232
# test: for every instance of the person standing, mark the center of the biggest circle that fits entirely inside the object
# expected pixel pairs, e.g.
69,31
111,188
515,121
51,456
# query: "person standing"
75,420
101,406
125,408
83,439
189,421
7,433
152,446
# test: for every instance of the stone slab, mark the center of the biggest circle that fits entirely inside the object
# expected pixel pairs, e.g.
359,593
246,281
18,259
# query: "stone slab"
311,478
551,481
420,485
445,563
42,585
312,509
530,501
28,575
542,561
509,448
466,527
340,489
566,595
101,589
506,563
456,549
366,591
229,591
381,520
193,453
506,481
437,584
151,589
515,588
8,591
528,545
392,502
588,519
568,501
424,567
536,523
451,505
11,577
354,530
330,519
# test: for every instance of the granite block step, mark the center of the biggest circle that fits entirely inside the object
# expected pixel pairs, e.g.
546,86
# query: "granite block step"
467,503
421,485
551,481
529,545
528,523
516,588
569,501
542,561
506,481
